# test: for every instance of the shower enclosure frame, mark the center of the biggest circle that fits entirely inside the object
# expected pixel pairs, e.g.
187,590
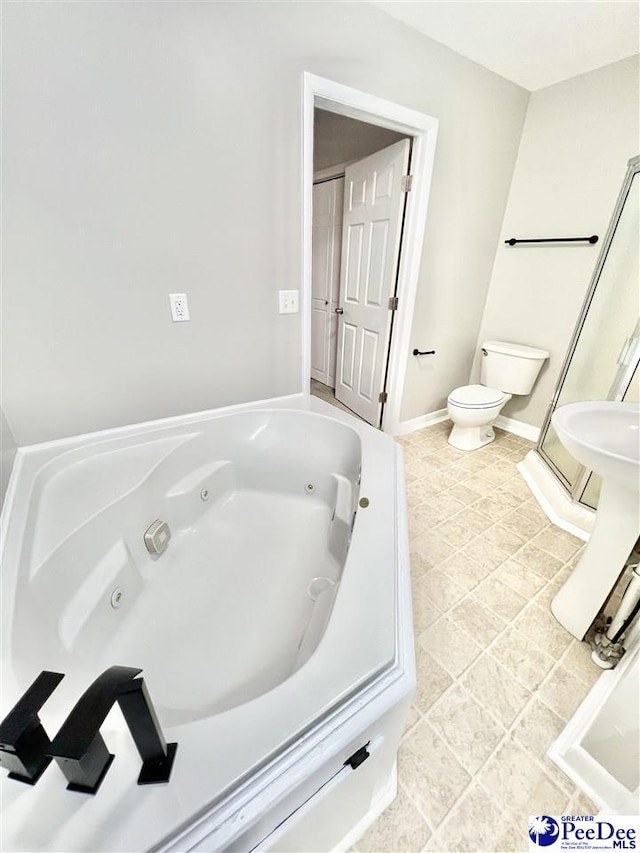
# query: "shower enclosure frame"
625,372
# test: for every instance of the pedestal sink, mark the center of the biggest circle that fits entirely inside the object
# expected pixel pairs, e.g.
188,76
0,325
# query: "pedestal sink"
605,437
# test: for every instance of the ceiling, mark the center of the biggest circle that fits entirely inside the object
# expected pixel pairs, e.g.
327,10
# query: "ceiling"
534,43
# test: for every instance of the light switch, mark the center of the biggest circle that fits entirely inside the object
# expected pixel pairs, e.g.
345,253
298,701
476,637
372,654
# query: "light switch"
289,301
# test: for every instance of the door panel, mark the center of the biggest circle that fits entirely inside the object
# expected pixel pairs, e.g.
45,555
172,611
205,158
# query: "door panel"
383,187
372,225
357,193
318,339
368,355
353,275
320,262
377,263
348,355
323,203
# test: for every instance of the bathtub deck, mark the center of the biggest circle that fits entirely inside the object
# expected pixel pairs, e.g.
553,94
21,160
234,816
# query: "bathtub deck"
498,678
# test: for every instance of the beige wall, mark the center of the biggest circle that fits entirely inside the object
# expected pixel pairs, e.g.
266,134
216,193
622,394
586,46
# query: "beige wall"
577,139
156,147
338,139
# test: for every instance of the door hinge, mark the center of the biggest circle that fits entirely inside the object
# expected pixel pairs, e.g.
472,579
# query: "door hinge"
406,183
393,303
382,397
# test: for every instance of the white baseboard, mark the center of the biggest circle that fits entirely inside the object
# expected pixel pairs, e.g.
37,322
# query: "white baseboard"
527,431
559,507
508,424
405,427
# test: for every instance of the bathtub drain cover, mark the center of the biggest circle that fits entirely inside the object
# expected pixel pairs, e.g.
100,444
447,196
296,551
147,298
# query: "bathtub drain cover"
157,536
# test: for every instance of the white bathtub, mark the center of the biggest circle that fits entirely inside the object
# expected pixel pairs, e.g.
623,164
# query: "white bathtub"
274,633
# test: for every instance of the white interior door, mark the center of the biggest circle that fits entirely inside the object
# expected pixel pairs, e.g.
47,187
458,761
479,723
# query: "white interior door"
372,224
325,277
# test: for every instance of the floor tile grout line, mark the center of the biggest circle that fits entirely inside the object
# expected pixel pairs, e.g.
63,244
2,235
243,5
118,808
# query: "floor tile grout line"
416,806
508,737
532,601
475,776
433,825
508,731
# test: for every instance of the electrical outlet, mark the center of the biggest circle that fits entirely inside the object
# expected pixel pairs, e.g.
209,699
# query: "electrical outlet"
289,301
179,307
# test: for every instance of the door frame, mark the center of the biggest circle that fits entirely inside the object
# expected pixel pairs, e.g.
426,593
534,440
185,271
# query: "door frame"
423,129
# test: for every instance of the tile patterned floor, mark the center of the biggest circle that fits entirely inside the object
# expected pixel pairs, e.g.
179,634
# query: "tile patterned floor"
497,676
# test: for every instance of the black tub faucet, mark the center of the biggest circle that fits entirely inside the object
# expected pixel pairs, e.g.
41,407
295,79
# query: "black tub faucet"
24,744
81,753
78,748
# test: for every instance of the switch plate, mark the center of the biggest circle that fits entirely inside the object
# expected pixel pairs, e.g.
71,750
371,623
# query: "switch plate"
289,301
179,307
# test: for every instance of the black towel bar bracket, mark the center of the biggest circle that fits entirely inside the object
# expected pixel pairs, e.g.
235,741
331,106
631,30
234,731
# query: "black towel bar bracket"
593,239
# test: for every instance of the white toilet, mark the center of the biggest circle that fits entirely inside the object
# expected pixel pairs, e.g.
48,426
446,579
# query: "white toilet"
506,369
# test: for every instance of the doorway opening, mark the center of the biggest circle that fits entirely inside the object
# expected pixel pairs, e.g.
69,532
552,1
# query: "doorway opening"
367,192
356,247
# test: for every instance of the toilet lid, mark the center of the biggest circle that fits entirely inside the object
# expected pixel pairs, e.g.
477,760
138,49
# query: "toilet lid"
476,396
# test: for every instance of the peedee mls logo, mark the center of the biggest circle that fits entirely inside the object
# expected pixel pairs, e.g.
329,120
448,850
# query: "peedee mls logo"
543,830
583,832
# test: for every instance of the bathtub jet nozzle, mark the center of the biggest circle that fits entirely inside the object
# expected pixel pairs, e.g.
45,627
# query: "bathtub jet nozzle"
157,536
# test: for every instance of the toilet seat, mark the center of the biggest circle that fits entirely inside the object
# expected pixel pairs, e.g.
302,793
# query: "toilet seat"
476,397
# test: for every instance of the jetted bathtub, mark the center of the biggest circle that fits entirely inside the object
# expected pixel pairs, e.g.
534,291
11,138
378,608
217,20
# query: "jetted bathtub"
274,632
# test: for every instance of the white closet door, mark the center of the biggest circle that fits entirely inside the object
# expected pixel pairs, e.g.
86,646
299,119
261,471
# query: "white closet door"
338,190
372,225
325,284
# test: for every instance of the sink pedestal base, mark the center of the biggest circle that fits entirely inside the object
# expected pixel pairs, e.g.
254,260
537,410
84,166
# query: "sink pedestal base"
614,535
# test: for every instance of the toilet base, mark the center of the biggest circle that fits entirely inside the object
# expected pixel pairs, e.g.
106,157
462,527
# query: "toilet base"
471,437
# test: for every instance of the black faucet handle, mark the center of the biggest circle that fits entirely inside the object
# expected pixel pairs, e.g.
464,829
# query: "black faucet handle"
24,744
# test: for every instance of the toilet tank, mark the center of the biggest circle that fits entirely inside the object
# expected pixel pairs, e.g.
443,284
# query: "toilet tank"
512,368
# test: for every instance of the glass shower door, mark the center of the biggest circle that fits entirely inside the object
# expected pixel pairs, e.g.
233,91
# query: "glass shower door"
603,357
